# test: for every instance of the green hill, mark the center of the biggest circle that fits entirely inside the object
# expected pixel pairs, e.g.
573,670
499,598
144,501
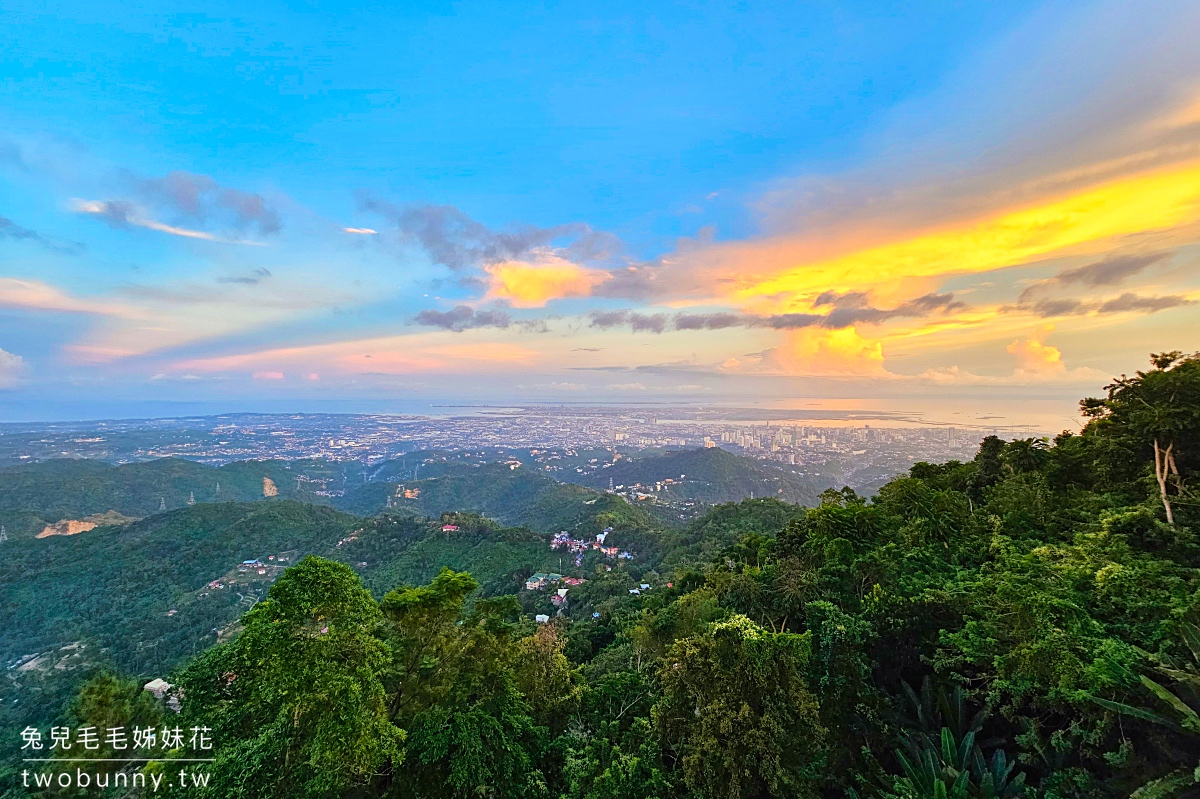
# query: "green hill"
37,494
711,476
116,586
409,550
723,525
512,496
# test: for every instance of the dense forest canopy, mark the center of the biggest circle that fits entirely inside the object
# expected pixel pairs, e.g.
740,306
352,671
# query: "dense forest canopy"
1023,624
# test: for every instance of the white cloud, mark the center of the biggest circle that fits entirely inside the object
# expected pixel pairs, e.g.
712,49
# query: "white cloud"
122,214
11,367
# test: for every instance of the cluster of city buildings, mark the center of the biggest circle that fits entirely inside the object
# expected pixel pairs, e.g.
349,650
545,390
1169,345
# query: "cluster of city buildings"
579,546
370,439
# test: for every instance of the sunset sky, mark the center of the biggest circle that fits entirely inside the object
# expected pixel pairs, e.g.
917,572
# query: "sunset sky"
967,208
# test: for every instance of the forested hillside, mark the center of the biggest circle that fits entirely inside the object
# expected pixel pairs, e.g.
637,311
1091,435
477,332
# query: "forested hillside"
711,476
34,495
143,592
1024,624
518,496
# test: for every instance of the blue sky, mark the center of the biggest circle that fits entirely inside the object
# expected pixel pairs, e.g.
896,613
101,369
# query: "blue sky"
550,186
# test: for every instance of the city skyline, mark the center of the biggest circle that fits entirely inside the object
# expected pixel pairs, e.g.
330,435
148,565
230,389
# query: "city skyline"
964,211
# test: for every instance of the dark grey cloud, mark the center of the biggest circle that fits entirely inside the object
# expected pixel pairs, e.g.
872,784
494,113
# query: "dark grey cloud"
200,199
648,323
1045,308
709,321
848,309
253,279
606,319
928,303
1111,270
789,321
464,317
1132,302
1076,307
1107,272
639,323
11,230
851,299
452,238
853,309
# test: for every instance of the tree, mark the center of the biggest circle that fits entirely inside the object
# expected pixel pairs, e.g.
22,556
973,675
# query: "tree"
736,714
108,701
422,628
296,701
545,678
1160,411
1177,709
456,691
989,467
1025,455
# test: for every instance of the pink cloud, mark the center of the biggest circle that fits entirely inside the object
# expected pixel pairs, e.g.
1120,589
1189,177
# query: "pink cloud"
387,355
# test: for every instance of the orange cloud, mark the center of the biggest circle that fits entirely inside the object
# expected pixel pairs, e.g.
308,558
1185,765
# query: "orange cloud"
1037,363
532,285
1079,222
817,351
1033,355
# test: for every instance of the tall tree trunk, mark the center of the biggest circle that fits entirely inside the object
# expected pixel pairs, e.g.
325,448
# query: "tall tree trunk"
1162,463
1175,470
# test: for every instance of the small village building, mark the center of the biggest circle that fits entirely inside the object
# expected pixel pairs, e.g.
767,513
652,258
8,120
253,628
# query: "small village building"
158,686
540,580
